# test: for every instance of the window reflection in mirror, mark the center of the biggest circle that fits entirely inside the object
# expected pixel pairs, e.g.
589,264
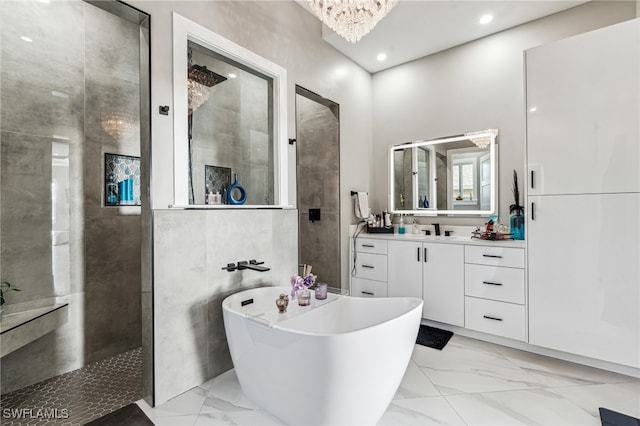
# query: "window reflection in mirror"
230,129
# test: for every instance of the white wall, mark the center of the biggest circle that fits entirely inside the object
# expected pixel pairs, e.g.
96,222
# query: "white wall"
284,33
475,86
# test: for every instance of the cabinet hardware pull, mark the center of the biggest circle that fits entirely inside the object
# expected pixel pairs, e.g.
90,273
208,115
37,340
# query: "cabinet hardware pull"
490,283
368,266
368,245
425,254
492,255
533,211
368,293
492,318
418,254
531,179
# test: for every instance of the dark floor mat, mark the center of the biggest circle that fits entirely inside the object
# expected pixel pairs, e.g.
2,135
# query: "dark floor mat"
613,418
433,337
129,415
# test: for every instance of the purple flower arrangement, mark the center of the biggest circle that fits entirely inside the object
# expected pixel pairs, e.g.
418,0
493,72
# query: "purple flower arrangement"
299,283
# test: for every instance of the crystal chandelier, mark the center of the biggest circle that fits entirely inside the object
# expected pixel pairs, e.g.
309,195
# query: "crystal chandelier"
120,126
482,139
351,19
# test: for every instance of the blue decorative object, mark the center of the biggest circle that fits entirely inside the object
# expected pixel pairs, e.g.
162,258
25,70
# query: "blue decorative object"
236,186
516,226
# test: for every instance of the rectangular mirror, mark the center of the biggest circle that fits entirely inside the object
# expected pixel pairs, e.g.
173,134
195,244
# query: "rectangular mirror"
455,175
229,122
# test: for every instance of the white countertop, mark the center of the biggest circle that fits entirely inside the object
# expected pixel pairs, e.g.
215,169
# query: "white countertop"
454,239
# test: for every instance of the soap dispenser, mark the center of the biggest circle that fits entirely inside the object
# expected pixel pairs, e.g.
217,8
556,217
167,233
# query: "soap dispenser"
401,225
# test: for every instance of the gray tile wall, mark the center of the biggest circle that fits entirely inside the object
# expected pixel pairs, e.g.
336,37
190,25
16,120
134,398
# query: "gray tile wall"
318,179
190,248
81,63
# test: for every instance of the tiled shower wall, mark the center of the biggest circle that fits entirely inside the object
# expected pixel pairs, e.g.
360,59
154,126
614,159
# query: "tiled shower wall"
318,178
231,130
81,64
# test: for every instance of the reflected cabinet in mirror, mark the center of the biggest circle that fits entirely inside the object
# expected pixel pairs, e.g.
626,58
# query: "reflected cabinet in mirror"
229,120
455,175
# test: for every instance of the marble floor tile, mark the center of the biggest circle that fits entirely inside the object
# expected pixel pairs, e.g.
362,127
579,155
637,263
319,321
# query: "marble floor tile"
415,384
520,407
464,368
469,382
188,403
556,372
226,389
175,420
240,418
621,397
433,410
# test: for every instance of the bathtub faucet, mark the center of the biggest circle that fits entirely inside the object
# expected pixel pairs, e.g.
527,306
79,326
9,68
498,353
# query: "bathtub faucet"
243,264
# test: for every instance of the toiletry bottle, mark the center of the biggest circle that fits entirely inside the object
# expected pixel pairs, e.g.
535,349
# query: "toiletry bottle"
217,198
112,191
401,225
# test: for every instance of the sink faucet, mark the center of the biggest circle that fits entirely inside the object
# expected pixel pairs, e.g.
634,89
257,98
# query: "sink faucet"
437,226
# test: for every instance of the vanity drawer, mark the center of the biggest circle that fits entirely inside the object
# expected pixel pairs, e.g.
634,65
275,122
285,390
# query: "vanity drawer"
368,288
494,256
370,245
499,318
491,282
371,266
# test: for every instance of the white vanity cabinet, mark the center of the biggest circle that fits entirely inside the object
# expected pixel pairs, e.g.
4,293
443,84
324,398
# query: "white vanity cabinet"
583,235
369,275
432,272
494,288
405,268
443,283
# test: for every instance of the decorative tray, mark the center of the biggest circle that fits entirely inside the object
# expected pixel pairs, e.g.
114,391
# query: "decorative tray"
491,236
380,230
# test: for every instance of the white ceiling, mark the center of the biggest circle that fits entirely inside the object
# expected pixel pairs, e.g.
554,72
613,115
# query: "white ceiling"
417,28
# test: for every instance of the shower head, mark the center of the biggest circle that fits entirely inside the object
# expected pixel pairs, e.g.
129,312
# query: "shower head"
200,74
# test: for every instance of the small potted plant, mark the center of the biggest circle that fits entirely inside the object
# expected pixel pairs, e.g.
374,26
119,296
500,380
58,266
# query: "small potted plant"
4,288
516,221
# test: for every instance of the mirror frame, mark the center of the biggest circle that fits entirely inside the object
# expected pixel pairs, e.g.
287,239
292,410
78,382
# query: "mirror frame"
185,30
490,133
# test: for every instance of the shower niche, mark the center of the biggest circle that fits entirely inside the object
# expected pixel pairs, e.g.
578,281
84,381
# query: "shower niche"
121,180
229,122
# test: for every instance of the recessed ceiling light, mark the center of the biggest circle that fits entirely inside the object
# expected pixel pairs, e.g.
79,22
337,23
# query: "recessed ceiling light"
381,57
25,38
485,19
533,109
231,75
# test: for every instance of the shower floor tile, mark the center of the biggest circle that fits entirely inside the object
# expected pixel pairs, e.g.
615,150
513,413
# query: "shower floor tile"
79,396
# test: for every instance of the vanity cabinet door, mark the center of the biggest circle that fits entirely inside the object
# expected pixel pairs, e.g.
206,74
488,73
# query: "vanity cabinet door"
443,283
404,269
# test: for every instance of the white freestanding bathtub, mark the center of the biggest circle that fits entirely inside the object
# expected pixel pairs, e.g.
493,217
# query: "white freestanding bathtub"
338,361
